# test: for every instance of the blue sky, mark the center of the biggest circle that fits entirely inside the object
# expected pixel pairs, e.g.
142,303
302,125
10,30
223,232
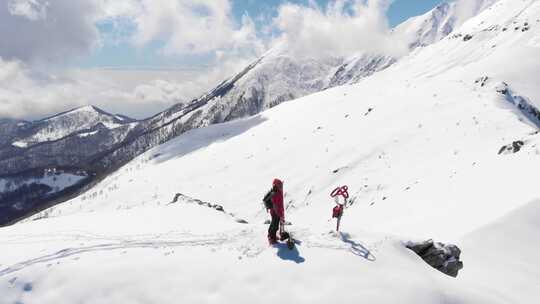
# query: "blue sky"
124,55
399,11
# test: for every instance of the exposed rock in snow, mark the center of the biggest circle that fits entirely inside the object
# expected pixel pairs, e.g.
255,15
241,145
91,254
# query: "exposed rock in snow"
512,148
523,104
181,198
444,258
359,67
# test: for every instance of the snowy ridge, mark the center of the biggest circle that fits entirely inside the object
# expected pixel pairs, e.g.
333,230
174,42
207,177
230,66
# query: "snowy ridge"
278,77
358,67
440,22
430,27
419,31
64,124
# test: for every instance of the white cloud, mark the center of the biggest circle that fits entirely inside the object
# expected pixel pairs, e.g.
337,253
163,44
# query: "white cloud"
28,93
31,9
160,91
343,28
115,8
24,92
193,27
53,31
46,30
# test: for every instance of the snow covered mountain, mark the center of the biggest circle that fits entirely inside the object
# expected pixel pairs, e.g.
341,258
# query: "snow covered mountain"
43,161
95,143
61,125
418,31
274,78
441,21
443,144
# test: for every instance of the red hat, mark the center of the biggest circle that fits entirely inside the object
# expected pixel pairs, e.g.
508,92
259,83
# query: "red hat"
277,183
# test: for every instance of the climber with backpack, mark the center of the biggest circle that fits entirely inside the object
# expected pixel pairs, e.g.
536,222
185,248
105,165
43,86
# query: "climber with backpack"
273,201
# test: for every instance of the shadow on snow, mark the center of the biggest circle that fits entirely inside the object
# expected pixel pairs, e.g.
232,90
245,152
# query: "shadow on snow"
287,254
196,139
357,248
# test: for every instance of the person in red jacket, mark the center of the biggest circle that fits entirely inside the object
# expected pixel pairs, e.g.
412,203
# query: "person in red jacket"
276,210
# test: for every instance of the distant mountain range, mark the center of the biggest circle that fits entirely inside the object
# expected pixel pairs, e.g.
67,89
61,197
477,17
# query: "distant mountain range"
47,161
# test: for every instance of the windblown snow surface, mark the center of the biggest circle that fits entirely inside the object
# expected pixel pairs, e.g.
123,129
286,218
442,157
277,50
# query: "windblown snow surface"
417,144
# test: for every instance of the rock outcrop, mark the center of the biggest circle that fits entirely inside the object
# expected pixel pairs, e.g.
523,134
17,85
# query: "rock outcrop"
444,258
514,147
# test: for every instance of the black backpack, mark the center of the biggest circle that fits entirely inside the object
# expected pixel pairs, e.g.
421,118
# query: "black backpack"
268,199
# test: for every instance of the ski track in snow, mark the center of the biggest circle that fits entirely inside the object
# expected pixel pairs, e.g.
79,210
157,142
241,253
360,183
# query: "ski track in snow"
247,242
68,252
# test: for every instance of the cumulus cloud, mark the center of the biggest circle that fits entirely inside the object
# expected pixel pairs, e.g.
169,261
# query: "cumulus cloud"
53,31
27,93
49,32
31,9
185,26
343,28
44,30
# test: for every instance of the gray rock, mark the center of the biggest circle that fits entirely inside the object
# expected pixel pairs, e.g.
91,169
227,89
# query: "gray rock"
467,37
444,258
514,147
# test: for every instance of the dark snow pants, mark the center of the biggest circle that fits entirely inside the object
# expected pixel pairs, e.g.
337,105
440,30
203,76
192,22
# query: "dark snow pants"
274,226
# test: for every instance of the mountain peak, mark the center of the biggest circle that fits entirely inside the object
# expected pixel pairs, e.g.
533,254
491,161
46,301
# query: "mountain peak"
90,109
436,24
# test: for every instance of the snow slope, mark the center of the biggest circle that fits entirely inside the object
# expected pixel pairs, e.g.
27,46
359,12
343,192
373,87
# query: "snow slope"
417,144
519,227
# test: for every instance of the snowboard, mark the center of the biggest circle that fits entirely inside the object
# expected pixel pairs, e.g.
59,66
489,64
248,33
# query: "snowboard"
288,238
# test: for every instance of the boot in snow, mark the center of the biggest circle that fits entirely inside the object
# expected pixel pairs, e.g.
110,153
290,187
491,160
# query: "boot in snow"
272,240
